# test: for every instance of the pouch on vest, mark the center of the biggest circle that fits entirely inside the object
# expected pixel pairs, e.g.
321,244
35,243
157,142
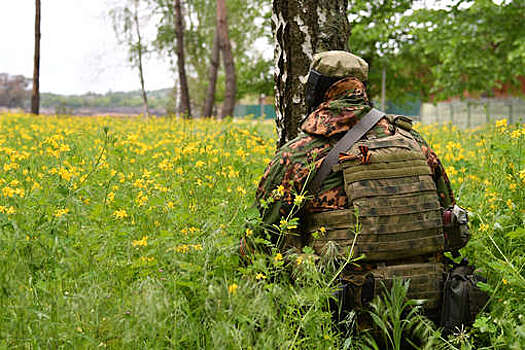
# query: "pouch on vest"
462,298
455,227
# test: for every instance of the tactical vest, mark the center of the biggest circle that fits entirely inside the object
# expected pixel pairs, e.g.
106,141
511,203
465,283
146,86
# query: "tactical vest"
394,213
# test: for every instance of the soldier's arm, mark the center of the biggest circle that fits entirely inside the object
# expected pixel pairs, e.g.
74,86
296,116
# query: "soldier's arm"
278,190
271,204
444,188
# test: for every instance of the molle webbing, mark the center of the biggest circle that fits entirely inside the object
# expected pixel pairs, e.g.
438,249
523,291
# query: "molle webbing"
393,201
425,280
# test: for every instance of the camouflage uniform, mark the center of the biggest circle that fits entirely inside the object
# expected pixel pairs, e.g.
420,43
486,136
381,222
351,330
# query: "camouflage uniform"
346,102
343,104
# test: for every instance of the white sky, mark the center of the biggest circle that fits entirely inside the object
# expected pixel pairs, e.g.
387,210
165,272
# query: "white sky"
79,50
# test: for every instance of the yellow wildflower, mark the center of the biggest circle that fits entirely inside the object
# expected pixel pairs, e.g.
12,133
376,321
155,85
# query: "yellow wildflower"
501,124
60,212
299,260
278,257
260,276
298,199
140,242
120,214
232,288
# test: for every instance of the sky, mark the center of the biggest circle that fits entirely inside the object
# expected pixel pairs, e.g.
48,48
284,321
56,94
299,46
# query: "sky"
79,49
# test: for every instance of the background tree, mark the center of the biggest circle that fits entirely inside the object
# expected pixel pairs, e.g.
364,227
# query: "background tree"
14,90
483,51
35,97
301,29
229,65
185,106
207,110
484,45
379,37
248,22
127,26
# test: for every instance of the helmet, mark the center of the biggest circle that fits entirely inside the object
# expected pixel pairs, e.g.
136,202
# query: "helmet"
329,67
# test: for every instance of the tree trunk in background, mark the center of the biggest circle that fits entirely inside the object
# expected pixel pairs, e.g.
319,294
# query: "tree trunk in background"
229,66
302,28
35,97
139,53
185,107
207,110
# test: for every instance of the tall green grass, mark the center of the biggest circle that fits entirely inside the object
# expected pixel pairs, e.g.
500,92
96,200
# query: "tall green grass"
123,233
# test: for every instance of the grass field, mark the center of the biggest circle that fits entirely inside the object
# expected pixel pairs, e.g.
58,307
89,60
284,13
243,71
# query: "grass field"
123,233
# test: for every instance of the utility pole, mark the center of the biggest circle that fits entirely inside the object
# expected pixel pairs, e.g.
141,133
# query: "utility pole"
383,89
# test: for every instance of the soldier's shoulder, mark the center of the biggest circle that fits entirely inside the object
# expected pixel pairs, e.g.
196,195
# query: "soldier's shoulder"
301,142
401,121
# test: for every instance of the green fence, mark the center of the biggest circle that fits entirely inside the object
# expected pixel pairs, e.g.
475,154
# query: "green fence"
254,111
409,108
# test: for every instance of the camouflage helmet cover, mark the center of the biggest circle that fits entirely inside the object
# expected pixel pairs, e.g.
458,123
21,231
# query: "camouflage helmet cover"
340,64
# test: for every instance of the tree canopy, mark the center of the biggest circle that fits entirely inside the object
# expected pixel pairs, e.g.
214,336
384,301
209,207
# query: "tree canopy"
444,51
248,21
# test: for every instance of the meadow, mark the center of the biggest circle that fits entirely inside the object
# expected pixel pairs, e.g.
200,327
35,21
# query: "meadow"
124,233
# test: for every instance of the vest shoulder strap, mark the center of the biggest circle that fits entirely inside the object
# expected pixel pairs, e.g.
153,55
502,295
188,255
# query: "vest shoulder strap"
352,136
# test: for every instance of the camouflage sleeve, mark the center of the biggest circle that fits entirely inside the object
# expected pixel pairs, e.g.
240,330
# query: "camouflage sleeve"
281,186
444,188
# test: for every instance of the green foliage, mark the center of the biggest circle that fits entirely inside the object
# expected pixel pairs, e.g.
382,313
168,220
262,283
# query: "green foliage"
441,51
478,44
379,36
398,320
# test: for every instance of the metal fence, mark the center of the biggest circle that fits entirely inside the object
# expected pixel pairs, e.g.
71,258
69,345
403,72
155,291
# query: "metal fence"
473,113
255,111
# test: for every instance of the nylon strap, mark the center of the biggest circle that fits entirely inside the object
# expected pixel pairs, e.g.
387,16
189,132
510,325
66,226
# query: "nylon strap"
352,136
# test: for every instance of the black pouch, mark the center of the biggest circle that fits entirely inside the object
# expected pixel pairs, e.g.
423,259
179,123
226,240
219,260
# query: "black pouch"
462,298
455,227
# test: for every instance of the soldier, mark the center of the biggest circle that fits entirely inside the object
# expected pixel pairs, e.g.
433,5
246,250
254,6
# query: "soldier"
352,163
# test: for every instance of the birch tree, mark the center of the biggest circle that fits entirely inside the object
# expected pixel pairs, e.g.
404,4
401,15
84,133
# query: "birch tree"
127,26
302,28
207,110
227,56
185,106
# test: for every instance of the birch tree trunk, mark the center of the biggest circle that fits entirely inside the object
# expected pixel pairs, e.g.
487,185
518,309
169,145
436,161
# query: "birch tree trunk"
302,28
185,107
140,50
212,84
229,65
35,96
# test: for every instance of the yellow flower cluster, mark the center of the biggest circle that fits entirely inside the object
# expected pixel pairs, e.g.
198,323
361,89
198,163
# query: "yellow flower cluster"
60,212
185,248
143,242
